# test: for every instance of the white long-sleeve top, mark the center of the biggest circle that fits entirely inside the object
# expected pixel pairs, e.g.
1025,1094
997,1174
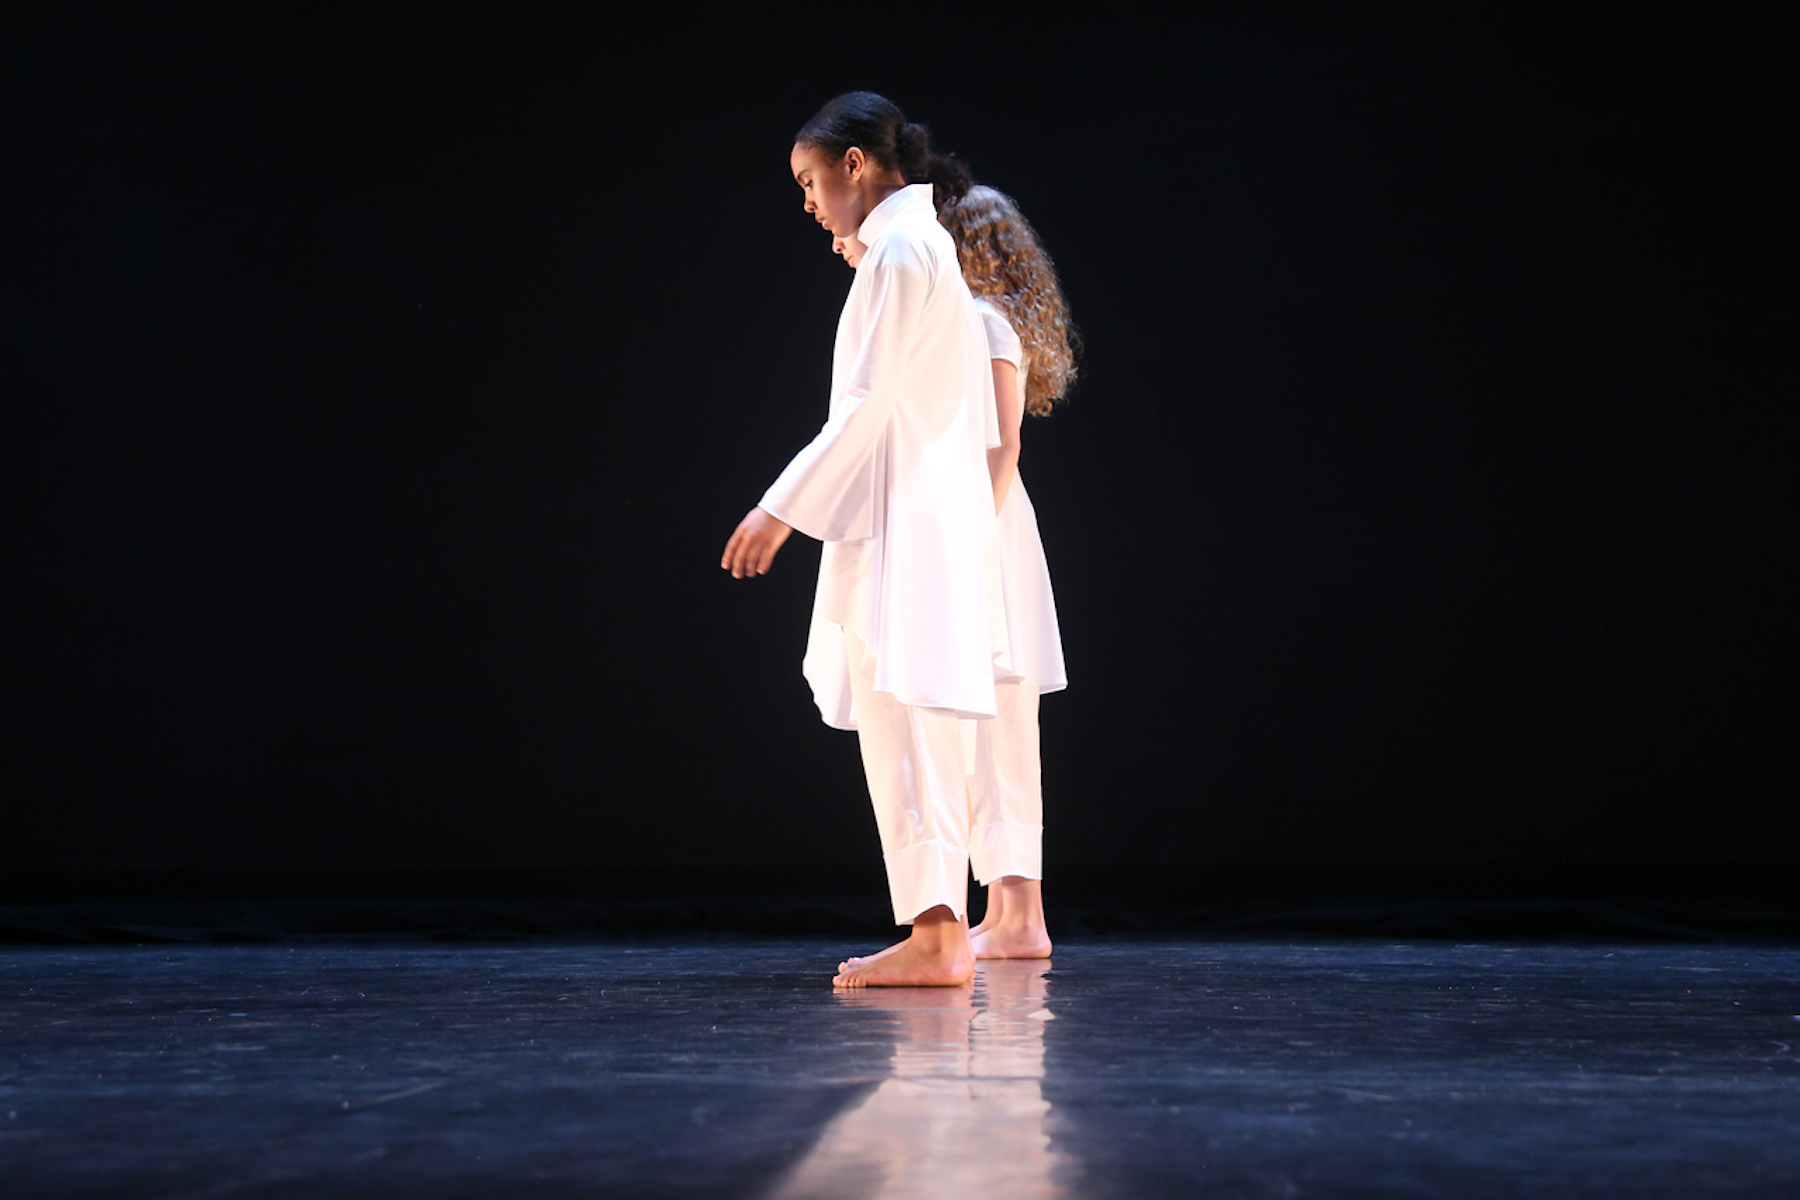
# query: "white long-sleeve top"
896,482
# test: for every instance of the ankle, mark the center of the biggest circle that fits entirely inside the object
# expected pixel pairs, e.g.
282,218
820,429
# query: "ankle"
1023,901
938,927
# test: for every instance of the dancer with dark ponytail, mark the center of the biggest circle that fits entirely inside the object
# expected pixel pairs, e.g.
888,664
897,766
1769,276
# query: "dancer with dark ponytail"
909,630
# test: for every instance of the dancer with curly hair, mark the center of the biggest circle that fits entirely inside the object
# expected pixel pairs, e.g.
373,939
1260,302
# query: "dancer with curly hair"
1031,343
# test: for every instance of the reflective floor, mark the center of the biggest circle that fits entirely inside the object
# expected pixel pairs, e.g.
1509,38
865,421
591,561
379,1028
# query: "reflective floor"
1127,1069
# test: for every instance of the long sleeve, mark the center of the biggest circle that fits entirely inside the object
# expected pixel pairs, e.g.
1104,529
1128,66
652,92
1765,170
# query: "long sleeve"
830,488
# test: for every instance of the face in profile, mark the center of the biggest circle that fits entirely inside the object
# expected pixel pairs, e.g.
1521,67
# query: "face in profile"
832,197
850,249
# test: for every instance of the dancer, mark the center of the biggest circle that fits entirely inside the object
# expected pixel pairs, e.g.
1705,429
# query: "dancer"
908,631
1015,287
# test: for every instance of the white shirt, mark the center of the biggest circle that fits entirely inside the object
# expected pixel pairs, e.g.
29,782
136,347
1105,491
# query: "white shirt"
896,483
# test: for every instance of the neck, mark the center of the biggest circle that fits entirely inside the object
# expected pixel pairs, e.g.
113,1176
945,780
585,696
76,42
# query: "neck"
878,185
881,191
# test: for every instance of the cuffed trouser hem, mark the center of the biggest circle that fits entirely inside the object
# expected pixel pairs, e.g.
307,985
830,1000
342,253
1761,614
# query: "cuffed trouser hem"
925,875
1006,848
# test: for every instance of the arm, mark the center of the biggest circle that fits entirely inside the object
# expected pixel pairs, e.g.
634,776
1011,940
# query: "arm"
827,491
1009,403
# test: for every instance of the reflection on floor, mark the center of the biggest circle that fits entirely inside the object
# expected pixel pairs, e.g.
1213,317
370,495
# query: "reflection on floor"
964,1106
1225,1068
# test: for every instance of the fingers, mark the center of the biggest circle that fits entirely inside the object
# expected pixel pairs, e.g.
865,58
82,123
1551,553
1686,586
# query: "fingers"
731,559
738,554
751,550
747,554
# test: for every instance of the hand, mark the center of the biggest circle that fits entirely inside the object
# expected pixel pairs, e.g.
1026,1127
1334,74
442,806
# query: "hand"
751,550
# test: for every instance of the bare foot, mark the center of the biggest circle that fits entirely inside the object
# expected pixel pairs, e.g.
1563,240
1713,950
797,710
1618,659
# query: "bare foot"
1008,942
1017,931
856,960
936,955
859,959
912,966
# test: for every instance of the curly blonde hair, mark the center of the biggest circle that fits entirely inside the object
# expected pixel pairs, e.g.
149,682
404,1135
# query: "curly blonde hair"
1003,262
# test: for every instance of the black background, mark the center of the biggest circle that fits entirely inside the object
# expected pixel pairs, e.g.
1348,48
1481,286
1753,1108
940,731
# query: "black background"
383,382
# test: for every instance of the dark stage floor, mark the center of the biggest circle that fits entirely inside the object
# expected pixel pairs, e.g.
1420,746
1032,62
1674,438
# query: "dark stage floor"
1133,1068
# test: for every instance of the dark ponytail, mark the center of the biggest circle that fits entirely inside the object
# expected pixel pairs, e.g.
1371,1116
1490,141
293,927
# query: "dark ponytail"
949,176
876,125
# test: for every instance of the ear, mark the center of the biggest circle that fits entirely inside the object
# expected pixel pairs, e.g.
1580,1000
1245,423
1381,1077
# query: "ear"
854,162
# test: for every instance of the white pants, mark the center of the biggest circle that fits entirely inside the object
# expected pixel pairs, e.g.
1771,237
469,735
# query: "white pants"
1006,791
944,792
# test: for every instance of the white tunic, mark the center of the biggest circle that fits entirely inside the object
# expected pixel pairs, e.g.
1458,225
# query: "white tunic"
896,483
1034,640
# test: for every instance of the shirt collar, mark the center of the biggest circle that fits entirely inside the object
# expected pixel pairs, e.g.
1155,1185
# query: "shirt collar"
914,197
